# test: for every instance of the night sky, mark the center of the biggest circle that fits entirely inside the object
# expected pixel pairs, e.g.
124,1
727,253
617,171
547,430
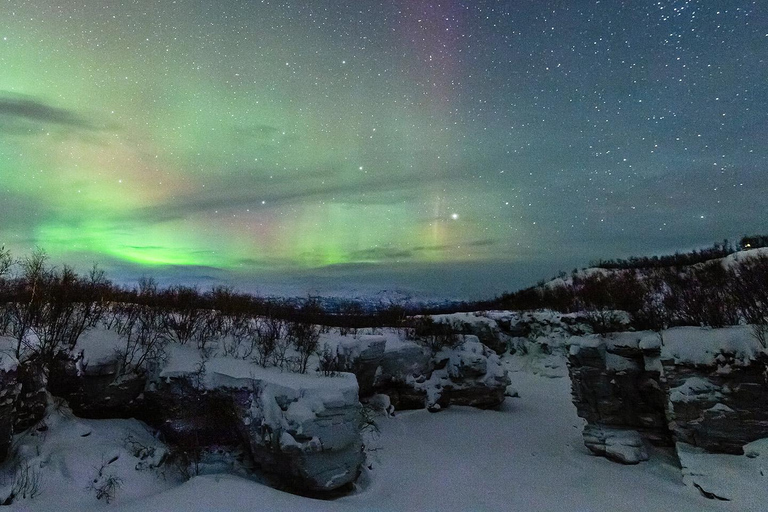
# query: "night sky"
455,149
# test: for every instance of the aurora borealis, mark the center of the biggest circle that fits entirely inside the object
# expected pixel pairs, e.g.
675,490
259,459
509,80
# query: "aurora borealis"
453,148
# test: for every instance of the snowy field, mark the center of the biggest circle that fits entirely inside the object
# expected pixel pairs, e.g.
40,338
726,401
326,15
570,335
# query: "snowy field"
527,456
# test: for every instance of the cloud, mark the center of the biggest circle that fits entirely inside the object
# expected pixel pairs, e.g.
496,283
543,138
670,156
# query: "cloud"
380,254
240,192
17,111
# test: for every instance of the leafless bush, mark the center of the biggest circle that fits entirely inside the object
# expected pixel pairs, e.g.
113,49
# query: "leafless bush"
434,335
333,362
26,483
105,485
141,327
268,340
49,309
304,338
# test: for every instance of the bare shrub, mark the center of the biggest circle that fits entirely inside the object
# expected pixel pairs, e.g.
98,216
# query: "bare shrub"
26,483
105,485
434,335
304,338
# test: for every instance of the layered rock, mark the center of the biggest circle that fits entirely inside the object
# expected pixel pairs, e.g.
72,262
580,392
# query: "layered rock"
304,429
469,374
614,391
701,388
96,389
620,445
715,383
10,387
365,353
485,329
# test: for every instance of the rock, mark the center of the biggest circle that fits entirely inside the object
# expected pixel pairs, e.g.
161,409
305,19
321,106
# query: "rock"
624,446
96,390
705,390
381,404
613,389
304,429
309,436
399,369
10,388
715,386
719,412
33,398
408,360
485,329
727,477
366,354
469,374
475,376
511,392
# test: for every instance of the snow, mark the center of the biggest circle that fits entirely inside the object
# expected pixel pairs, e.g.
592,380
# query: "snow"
99,345
743,479
8,361
70,454
465,318
694,388
232,372
528,455
703,346
733,260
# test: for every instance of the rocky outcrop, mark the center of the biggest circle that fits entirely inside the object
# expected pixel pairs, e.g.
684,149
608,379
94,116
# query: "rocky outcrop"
468,374
309,436
614,391
716,387
33,398
620,445
9,392
365,354
97,389
700,388
304,429
485,329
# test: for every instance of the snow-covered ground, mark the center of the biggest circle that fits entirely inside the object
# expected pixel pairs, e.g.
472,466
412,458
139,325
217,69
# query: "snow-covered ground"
527,456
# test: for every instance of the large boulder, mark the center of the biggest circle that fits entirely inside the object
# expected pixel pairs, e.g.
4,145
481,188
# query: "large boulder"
689,386
484,328
468,374
96,388
716,388
9,392
471,375
365,354
304,429
33,398
614,390
619,445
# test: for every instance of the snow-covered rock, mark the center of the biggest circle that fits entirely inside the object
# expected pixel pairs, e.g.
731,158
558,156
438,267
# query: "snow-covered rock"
699,387
614,390
95,388
9,392
304,429
367,352
483,327
307,433
468,374
727,477
715,382
619,445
